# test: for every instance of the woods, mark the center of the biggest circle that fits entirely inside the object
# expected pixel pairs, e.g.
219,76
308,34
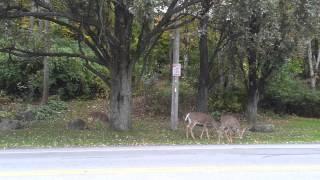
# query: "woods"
238,55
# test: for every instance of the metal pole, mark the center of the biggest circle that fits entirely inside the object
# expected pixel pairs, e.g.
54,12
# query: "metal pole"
176,71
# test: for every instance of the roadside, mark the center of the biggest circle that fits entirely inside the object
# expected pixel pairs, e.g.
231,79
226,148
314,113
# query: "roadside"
148,129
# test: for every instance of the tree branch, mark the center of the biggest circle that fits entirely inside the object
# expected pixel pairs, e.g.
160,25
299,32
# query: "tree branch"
25,53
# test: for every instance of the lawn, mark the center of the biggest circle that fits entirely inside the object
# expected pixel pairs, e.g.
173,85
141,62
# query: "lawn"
148,129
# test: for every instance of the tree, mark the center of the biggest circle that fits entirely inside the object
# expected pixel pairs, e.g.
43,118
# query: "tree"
308,23
265,43
214,20
103,29
202,99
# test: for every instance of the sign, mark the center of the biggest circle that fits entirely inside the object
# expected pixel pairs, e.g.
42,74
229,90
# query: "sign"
176,70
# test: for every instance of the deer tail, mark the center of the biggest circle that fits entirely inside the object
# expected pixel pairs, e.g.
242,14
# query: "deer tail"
188,118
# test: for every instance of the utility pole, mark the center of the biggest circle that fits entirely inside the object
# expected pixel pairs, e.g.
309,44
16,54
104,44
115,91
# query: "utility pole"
176,72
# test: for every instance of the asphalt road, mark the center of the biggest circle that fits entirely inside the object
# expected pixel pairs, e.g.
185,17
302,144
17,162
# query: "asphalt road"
164,162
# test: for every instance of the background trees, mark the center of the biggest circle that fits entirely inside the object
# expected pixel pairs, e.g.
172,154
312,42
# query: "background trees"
243,44
105,28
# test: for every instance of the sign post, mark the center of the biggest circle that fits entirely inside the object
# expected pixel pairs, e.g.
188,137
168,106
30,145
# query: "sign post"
176,72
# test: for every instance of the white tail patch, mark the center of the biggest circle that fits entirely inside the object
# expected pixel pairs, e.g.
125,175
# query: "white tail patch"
188,118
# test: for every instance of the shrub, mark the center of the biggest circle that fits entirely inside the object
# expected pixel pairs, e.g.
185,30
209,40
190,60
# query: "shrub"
53,110
68,79
230,100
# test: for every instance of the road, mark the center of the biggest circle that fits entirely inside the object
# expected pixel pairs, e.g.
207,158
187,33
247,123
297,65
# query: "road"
164,162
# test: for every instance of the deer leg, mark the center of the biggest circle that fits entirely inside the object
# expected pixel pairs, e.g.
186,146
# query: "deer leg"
187,131
230,137
226,133
191,132
202,132
219,138
207,132
220,134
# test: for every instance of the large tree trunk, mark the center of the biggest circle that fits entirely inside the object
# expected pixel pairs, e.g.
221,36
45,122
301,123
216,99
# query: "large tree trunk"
252,89
252,106
121,72
202,100
121,94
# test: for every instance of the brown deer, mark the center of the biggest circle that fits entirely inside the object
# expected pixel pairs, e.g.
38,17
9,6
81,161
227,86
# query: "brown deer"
99,117
230,126
199,118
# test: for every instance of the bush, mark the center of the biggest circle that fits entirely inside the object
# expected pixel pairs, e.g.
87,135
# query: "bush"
53,110
68,79
286,93
159,98
229,100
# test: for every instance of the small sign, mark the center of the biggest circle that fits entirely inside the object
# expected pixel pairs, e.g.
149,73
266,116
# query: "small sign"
176,70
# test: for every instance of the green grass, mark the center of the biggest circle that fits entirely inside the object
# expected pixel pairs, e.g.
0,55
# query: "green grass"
147,130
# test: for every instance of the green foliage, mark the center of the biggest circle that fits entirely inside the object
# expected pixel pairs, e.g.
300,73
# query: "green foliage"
68,79
15,75
286,93
159,98
228,100
51,111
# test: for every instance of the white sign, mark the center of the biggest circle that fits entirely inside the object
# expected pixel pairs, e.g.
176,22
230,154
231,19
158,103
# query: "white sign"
176,70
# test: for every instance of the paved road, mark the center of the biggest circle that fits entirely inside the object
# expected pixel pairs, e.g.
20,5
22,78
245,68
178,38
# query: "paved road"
164,162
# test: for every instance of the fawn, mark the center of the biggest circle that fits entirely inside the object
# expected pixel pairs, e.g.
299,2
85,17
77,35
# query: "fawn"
199,118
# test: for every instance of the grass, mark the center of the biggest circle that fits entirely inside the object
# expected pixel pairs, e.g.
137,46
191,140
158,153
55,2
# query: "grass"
147,130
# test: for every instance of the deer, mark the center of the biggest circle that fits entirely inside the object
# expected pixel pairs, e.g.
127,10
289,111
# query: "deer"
77,124
230,126
199,118
98,117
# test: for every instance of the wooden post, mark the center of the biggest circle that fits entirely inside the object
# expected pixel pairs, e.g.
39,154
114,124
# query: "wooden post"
176,72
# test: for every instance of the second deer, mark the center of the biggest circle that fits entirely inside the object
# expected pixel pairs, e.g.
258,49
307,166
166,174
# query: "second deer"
230,126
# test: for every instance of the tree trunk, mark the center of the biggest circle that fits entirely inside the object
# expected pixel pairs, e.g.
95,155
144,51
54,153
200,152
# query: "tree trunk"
186,43
252,88
202,100
311,67
252,106
121,96
121,72
185,64
45,90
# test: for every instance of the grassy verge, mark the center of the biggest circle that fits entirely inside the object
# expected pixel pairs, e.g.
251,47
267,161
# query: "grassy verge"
147,130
